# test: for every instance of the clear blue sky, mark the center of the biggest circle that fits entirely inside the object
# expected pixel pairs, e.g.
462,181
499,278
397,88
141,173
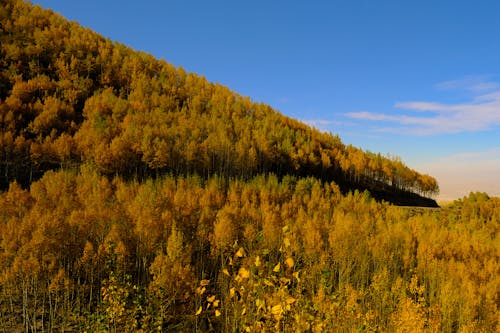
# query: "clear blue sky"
418,79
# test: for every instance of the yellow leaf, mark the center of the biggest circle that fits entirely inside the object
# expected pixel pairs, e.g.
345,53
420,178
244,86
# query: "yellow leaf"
200,290
277,268
260,303
286,241
240,252
290,300
210,299
296,275
225,271
285,229
244,273
199,311
268,283
289,262
276,310
231,292
204,283
285,280
216,303
217,313
257,261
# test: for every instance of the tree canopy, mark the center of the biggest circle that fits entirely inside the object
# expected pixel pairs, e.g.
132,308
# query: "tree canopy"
69,96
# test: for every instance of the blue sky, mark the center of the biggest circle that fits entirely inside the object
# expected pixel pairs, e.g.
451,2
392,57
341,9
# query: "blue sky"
418,79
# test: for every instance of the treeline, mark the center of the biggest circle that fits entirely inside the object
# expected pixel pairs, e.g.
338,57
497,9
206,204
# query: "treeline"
81,252
69,96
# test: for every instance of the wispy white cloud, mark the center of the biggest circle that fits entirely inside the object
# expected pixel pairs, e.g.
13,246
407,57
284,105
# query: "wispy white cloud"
483,86
475,83
426,118
325,124
492,154
318,122
372,116
460,174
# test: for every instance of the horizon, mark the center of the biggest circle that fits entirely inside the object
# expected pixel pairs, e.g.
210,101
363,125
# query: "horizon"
419,81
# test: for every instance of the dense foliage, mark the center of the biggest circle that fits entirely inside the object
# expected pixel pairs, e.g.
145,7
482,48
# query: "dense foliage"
68,96
138,197
79,251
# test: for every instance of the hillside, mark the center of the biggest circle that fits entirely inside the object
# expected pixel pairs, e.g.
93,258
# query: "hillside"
137,197
71,97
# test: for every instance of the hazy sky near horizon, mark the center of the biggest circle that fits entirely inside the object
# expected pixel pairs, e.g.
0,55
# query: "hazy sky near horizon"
417,79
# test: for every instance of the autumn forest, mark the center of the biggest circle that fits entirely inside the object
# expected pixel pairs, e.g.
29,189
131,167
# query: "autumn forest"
137,197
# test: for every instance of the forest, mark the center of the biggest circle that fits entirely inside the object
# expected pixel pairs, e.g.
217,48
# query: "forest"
69,96
137,197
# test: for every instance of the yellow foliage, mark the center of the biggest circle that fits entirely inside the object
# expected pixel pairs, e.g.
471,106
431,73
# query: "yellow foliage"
198,312
277,310
243,273
240,253
257,261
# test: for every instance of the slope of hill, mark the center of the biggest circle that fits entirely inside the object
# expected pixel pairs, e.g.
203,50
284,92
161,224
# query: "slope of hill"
142,198
69,96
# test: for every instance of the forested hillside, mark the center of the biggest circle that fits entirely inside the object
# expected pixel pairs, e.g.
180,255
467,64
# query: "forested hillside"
69,96
137,197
